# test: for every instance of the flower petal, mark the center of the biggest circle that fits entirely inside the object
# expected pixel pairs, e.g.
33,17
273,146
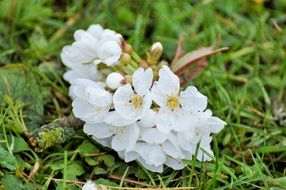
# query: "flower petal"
149,119
113,118
142,81
153,168
98,130
152,136
158,96
95,30
171,148
168,83
165,120
176,164
125,138
215,124
184,120
193,100
82,109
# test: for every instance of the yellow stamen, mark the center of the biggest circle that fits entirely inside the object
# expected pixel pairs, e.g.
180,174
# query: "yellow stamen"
197,132
137,101
173,102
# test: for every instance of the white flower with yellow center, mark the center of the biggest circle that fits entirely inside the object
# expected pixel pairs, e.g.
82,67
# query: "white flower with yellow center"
176,108
91,101
131,102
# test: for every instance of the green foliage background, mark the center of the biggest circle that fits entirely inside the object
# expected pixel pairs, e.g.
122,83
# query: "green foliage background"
245,86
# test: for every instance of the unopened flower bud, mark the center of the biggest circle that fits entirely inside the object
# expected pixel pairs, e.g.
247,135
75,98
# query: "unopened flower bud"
127,48
114,80
125,58
156,51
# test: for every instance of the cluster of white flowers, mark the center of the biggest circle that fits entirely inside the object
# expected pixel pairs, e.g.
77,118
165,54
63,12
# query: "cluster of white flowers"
91,47
144,116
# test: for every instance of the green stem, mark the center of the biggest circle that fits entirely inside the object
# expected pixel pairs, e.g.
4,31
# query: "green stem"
136,57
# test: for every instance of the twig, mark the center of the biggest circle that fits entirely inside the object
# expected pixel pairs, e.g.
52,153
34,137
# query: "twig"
129,181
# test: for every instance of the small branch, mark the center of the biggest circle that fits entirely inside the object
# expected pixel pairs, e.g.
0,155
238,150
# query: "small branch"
129,181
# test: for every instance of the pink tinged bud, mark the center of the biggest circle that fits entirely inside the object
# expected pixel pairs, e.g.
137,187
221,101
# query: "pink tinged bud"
114,80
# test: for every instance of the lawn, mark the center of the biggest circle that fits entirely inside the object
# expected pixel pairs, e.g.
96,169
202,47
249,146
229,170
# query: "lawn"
245,86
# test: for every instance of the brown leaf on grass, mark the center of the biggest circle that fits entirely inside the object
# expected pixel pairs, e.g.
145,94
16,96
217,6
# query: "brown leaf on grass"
180,50
193,57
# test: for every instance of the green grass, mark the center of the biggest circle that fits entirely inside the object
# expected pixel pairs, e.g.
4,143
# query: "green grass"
245,86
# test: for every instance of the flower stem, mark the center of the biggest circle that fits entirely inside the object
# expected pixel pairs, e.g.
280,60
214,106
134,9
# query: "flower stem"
136,57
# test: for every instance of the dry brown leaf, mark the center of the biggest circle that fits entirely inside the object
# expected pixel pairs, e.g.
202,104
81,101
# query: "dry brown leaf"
192,57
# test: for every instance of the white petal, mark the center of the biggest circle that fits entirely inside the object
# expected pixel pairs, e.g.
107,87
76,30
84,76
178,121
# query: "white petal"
153,168
113,60
184,121
152,136
113,118
90,185
215,124
84,71
79,35
205,152
193,100
121,155
152,154
121,101
168,83
172,149
99,130
158,96
185,144
131,155
79,85
104,142
82,109
142,81
95,30
149,119
125,138
165,120
98,96
176,164
109,49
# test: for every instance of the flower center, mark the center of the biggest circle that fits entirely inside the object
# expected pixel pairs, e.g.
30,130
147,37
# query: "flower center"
173,102
137,101
197,132
120,130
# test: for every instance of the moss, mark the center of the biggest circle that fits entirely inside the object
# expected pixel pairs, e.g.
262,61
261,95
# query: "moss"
49,138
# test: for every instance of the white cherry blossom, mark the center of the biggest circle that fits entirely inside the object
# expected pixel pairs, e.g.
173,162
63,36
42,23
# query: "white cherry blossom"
91,101
153,122
133,101
175,107
90,48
